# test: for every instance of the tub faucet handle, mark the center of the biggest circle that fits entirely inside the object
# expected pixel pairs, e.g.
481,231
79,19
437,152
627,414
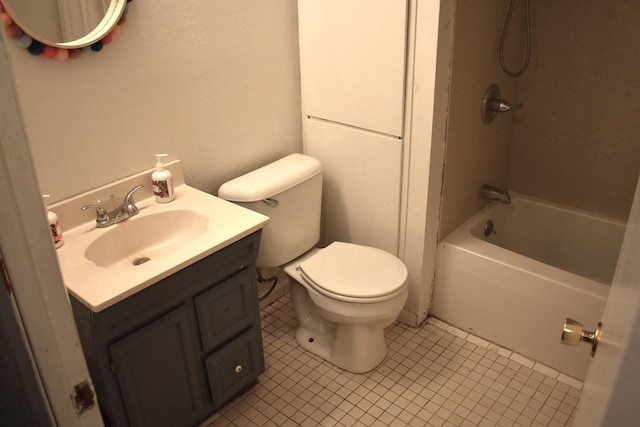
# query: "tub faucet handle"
492,104
502,106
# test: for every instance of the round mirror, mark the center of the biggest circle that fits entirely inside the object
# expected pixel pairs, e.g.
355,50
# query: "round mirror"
62,24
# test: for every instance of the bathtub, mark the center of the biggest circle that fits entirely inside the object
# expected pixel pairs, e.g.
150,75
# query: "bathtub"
538,264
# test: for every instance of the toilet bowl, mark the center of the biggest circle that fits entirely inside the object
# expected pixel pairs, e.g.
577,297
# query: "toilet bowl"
344,296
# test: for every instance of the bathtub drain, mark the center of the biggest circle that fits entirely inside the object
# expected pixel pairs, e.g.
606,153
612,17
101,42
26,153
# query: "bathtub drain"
488,228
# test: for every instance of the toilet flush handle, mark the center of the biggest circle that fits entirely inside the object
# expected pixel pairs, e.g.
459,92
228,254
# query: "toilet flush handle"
271,202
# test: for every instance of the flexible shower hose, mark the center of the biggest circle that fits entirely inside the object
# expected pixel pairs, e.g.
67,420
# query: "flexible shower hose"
505,30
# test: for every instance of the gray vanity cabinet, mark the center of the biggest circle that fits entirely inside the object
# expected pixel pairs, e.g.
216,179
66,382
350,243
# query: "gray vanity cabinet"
156,373
175,352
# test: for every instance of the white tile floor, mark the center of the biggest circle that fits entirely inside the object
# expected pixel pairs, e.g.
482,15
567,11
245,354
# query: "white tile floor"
434,375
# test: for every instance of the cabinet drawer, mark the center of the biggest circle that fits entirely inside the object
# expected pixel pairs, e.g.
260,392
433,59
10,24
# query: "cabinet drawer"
227,309
235,366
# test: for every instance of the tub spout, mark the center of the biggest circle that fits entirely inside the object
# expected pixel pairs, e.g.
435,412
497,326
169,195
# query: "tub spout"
494,193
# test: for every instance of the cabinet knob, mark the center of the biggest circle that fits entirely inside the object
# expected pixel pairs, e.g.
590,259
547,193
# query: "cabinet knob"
238,368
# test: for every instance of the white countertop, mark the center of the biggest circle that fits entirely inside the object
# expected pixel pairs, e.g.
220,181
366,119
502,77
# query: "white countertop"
101,287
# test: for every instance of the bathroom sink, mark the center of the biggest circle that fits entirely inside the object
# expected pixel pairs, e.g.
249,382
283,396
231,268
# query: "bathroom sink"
101,266
146,238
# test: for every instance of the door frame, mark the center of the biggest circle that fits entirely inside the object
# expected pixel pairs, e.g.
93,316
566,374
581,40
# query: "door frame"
41,302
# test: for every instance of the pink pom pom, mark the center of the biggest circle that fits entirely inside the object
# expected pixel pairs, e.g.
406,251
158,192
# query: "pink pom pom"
107,39
6,19
13,31
49,51
62,54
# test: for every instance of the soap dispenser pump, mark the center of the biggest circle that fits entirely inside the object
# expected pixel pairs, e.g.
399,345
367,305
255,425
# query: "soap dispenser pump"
54,227
162,181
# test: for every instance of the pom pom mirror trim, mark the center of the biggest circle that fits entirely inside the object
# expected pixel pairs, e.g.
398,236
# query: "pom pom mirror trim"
36,47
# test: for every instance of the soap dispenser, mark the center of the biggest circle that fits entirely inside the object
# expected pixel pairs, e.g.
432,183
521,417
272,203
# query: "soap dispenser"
54,226
162,181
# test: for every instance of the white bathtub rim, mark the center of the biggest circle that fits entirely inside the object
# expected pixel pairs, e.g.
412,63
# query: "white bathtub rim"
547,203
463,238
476,218
530,266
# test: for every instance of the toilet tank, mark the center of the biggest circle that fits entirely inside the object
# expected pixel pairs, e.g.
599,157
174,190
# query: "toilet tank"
289,192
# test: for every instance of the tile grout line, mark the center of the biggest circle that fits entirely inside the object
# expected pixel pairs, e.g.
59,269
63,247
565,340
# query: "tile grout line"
432,376
536,366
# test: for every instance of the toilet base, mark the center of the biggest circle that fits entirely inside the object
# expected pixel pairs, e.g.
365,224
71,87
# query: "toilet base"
354,349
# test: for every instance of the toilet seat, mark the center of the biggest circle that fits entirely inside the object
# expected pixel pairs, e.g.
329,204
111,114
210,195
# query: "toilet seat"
354,273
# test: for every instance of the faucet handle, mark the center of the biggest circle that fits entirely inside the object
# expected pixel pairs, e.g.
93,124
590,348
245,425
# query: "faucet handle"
502,106
128,203
102,216
492,104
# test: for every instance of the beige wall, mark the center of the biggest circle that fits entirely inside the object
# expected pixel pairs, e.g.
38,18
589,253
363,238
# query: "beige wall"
214,83
476,153
575,140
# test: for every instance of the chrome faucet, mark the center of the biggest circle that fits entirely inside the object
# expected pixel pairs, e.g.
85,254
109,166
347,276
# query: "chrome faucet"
125,211
494,193
493,104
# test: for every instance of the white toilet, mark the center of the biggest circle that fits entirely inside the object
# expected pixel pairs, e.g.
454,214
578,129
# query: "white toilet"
344,295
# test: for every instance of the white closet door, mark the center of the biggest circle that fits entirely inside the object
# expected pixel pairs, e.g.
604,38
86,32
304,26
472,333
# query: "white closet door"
361,186
352,59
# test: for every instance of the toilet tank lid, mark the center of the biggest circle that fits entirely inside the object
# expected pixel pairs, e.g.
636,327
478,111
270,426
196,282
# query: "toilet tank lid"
271,179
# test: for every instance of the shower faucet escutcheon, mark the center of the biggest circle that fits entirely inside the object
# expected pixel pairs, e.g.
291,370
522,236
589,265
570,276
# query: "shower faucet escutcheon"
492,104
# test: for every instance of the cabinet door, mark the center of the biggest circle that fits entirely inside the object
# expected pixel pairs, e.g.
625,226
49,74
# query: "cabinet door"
158,372
227,309
352,62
